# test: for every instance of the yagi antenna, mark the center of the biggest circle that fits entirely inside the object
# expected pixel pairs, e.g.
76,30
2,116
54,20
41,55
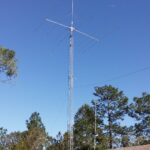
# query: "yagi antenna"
71,29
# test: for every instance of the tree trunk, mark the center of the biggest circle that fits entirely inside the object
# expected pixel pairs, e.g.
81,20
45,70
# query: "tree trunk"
110,132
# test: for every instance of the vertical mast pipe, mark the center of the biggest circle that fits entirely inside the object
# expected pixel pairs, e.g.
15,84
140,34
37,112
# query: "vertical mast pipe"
72,13
71,85
71,81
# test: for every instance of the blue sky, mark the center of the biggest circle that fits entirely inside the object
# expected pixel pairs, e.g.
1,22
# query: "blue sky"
123,26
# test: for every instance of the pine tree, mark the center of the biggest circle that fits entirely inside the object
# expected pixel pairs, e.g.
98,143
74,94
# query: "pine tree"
112,106
36,134
140,110
84,124
8,62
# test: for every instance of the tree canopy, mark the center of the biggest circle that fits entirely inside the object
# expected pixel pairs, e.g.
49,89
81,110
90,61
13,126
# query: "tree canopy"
110,106
140,110
8,62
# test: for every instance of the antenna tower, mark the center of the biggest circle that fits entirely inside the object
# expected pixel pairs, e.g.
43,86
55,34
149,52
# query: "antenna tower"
71,29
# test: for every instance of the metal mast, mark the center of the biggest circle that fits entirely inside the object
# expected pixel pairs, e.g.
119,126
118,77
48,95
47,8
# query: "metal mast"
72,29
71,84
95,124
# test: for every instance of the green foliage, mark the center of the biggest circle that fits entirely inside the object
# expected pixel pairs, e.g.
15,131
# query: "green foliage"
84,130
36,134
14,141
8,62
65,140
140,110
3,134
59,143
111,108
84,127
35,122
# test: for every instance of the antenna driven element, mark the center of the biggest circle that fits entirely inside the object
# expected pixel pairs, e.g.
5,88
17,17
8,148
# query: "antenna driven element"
73,29
87,35
57,23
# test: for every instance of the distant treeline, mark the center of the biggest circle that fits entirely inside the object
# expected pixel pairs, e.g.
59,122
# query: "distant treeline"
105,114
